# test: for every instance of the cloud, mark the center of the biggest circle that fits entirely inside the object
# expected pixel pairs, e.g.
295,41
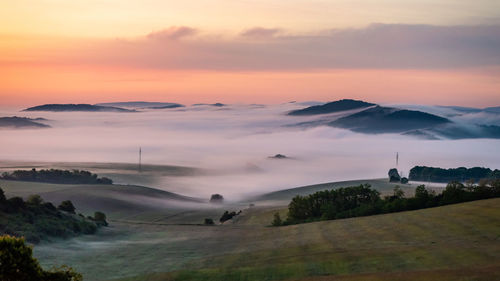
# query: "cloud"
381,46
172,33
260,32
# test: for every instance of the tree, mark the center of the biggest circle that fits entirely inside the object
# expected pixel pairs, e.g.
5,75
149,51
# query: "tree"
34,199
216,198
209,221
67,206
18,264
398,192
2,195
100,218
421,192
394,175
277,220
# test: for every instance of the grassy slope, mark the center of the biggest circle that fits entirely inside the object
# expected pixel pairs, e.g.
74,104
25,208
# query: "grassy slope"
144,239
117,201
382,185
443,243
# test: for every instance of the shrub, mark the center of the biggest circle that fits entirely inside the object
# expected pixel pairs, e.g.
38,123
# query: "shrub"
17,263
100,218
34,199
277,220
67,206
216,198
209,221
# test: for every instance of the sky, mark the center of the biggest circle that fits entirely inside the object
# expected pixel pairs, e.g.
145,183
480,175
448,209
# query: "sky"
273,51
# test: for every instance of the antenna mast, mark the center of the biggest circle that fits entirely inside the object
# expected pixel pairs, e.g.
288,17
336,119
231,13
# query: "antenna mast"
140,159
397,159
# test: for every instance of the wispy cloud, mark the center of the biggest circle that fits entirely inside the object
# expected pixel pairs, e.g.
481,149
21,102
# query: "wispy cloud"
172,33
394,46
260,32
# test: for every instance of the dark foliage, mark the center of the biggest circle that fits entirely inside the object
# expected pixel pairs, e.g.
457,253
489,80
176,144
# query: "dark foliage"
216,198
394,175
56,176
363,201
37,220
100,219
277,220
209,221
227,216
67,206
17,264
461,174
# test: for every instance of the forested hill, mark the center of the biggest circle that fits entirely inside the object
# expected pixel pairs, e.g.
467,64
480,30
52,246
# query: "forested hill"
77,107
461,174
56,176
332,107
37,220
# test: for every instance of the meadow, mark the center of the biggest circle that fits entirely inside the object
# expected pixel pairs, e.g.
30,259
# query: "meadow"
161,236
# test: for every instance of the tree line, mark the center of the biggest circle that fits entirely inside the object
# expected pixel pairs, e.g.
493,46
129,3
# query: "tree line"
56,176
362,200
37,220
461,174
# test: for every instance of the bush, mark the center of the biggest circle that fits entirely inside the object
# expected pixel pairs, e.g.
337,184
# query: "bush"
277,220
227,216
34,199
100,218
216,198
67,206
209,221
17,263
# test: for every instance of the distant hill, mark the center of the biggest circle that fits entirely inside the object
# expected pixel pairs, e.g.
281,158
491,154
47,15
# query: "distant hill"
218,104
492,109
142,104
331,107
77,107
461,174
22,122
388,120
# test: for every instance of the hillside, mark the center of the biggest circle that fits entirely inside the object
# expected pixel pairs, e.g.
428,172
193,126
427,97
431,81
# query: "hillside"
384,246
37,220
142,104
388,120
77,107
117,201
22,122
331,107
284,196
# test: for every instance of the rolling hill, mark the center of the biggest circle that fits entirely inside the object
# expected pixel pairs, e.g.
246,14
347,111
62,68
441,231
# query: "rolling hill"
142,104
388,120
77,107
22,122
331,107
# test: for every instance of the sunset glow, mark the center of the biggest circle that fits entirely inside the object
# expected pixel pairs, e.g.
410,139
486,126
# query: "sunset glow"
202,51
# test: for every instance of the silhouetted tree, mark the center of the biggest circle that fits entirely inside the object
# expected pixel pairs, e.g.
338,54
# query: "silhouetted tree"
18,264
67,206
34,199
100,218
277,220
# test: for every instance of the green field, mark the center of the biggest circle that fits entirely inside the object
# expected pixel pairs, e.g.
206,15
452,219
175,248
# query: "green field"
155,235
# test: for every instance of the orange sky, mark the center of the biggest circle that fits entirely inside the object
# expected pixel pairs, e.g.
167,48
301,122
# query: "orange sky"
430,52
32,85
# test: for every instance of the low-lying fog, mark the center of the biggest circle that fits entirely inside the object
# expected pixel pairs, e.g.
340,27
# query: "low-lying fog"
234,144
